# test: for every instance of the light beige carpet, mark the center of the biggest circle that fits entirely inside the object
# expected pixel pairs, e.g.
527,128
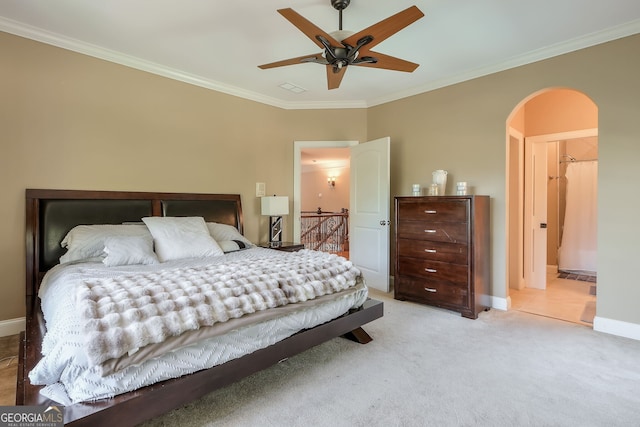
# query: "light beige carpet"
431,367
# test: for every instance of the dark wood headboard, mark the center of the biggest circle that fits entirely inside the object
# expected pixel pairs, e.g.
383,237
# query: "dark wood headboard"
50,214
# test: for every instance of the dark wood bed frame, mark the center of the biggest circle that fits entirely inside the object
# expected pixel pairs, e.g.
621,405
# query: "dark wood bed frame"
50,214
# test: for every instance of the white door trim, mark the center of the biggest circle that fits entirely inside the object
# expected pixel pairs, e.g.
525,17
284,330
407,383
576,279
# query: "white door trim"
515,223
298,146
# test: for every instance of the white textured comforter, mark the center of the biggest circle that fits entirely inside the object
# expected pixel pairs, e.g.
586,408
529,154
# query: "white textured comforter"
97,314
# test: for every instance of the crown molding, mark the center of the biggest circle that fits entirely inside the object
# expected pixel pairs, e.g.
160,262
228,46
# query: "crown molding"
37,34
54,39
610,34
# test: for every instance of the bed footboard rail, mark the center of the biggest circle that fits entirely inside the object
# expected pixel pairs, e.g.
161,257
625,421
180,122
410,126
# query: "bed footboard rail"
140,405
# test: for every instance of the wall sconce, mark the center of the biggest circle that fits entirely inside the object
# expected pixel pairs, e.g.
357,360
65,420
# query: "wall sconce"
275,207
331,181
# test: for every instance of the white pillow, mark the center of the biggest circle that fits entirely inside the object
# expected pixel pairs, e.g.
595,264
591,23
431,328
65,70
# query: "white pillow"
225,232
181,237
85,242
127,250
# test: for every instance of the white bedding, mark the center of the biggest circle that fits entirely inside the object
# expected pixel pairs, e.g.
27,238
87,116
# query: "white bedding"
70,377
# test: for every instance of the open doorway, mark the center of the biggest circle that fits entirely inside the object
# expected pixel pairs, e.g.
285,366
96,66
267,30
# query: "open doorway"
321,195
549,134
369,206
324,199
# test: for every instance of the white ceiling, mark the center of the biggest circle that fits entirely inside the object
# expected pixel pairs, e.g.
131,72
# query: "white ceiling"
314,159
218,44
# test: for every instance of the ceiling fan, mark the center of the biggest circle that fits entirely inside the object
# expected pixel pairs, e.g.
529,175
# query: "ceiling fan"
343,48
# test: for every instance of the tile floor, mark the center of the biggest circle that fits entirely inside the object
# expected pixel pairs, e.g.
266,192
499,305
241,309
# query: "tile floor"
563,299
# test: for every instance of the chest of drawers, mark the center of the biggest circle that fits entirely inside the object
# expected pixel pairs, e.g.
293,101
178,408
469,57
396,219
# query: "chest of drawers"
442,252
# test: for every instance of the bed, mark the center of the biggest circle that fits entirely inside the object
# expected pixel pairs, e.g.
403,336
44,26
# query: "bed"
334,310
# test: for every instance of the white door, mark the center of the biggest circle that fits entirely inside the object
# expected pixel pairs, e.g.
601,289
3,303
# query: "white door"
535,262
369,211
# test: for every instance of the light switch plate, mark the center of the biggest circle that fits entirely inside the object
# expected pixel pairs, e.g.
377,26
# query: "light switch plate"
260,189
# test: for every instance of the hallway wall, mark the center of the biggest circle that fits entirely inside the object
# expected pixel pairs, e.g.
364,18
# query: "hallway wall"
559,110
316,193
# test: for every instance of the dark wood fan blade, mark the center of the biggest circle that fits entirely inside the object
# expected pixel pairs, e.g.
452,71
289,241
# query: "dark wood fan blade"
386,28
334,79
387,62
308,28
292,61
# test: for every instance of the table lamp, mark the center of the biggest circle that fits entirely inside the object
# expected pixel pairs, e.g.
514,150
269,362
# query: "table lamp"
275,207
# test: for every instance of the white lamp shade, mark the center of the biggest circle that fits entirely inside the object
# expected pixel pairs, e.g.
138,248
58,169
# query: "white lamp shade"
275,205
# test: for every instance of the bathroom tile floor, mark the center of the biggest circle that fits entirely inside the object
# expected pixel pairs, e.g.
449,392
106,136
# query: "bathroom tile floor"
577,276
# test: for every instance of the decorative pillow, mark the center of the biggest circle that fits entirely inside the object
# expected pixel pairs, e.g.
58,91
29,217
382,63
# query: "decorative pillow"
181,237
232,245
127,250
225,232
85,242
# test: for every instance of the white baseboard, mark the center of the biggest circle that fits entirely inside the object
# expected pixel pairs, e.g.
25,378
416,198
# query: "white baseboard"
12,326
500,303
617,327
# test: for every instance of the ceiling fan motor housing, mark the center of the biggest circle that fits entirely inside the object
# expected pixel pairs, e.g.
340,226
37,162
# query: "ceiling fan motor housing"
341,58
340,4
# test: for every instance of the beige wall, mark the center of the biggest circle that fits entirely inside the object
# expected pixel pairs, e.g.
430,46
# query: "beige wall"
317,194
461,128
75,122
70,121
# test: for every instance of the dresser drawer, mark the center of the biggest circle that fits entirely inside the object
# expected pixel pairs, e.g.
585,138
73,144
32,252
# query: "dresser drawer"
435,211
433,292
434,270
435,231
436,251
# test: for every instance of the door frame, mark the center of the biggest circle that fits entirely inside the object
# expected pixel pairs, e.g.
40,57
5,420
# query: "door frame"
547,138
515,203
298,146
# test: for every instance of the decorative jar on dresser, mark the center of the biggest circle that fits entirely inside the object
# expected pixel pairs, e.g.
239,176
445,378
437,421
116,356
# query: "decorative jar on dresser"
442,252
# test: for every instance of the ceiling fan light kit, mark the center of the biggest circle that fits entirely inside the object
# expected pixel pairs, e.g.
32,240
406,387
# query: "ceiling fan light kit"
342,48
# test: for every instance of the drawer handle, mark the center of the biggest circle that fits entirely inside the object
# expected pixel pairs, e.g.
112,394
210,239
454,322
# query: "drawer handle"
431,251
430,290
430,270
430,231
430,212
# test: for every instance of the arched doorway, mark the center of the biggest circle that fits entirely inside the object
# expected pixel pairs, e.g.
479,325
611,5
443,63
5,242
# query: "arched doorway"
545,133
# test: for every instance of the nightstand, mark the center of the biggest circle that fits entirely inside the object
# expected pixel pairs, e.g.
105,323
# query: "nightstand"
283,246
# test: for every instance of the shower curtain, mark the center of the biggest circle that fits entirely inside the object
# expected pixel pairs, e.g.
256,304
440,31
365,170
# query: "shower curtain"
578,248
